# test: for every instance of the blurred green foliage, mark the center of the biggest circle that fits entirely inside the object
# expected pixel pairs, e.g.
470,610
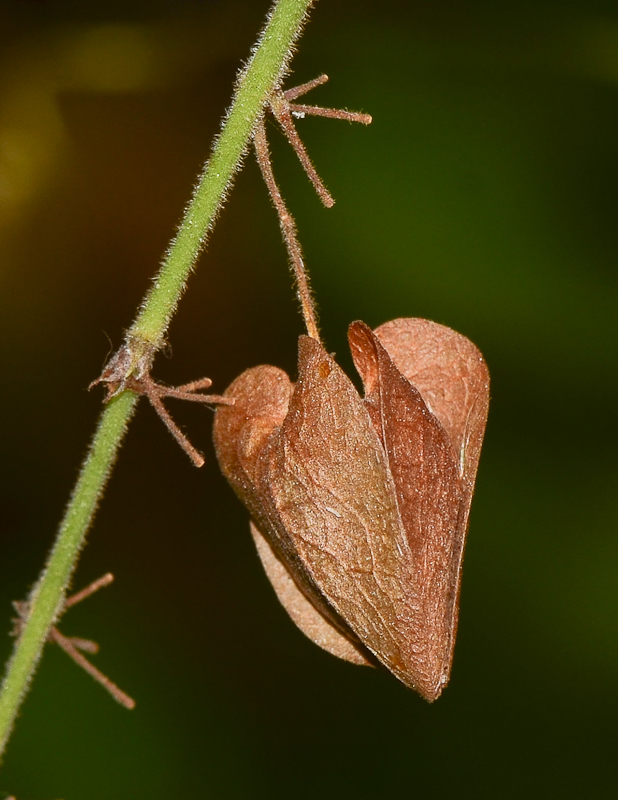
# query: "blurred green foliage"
484,196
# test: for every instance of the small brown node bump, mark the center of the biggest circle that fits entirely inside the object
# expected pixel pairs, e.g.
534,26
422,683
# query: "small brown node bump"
72,645
324,370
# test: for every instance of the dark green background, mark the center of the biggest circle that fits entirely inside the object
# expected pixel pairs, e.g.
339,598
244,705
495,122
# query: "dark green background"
485,197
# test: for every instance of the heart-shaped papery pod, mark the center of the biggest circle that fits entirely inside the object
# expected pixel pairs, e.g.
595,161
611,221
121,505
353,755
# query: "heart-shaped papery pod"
360,506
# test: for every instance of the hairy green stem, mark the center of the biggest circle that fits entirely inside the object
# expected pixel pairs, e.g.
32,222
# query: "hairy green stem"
262,75
47,597
264,72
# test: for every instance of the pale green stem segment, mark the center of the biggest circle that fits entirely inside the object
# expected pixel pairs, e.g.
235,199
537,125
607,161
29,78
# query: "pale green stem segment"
261,76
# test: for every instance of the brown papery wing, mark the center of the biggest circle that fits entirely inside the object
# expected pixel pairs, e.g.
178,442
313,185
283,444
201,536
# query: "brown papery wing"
302,611
241,431
429,492
243,434
332,489
452,377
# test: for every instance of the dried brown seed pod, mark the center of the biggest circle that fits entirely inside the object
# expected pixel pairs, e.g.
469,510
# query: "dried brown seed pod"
360,506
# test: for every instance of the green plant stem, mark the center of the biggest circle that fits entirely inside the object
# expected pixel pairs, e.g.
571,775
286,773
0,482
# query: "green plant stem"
264,72
47,597
262,75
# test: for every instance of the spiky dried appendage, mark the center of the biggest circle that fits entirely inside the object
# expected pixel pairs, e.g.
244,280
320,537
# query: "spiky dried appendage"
126,370
284,110
73,644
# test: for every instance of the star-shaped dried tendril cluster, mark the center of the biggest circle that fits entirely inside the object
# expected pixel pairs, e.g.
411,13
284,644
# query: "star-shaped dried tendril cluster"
74,646
284,111
124,371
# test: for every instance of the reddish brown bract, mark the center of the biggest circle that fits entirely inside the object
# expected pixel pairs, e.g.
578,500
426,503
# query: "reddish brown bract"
360,506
